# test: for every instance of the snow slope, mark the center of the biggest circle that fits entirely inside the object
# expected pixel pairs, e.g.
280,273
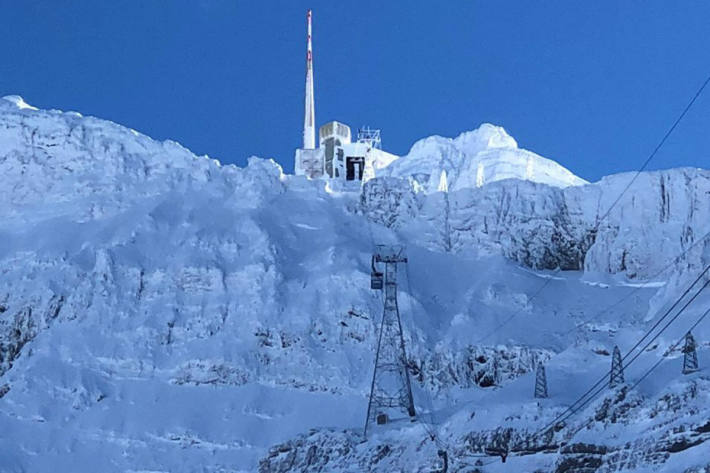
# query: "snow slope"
160,312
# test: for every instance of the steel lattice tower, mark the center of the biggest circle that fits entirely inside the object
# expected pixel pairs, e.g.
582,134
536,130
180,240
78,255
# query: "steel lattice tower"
690,355
541,382
391,390
617,369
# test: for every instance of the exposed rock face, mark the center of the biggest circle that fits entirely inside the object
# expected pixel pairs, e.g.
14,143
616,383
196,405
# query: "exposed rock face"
19,329
133,267
345,451
164,312
663,213
546,227
476,366
389,201
568,448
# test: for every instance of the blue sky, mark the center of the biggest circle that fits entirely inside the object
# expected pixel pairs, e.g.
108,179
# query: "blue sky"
593,85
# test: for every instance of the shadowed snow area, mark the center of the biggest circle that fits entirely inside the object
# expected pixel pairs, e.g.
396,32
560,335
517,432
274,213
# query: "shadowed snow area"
161,312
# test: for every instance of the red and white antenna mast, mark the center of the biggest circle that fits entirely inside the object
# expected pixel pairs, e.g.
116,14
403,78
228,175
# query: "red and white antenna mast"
309,127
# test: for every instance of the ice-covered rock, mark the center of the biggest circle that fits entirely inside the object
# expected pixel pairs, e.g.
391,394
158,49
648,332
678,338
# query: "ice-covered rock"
162,312
474,158
547,227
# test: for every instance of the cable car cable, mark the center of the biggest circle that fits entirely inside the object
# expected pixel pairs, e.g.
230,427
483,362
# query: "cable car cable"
655,151
517,312
576,406
626,188
637,288
670,349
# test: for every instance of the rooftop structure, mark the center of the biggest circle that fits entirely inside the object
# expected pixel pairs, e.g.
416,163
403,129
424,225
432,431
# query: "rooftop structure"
337,156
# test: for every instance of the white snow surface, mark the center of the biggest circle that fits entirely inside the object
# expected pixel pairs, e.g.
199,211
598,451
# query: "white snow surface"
161,312
474,158
15,100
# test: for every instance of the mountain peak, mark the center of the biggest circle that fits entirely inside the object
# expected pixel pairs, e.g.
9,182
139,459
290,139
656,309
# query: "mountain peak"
16,101
485,136
478,157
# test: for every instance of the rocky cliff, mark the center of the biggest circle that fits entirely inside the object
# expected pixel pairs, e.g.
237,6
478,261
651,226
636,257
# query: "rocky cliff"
162,312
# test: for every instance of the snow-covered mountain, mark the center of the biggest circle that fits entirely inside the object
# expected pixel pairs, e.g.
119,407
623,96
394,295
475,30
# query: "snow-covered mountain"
474,158
161,312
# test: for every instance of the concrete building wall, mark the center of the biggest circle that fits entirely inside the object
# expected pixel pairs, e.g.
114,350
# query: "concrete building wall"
309,162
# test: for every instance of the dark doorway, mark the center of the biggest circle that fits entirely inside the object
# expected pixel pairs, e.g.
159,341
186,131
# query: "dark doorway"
354,166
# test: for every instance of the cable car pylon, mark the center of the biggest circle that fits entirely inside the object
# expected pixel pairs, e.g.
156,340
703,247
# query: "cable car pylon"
541,382
616,374
690,355
391,389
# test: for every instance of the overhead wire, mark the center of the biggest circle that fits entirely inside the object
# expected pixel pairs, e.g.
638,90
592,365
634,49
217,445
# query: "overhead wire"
663,140
569,412
638,288
670,350
596,388
517,312
602,387
601,312
595,230
655,150
431,429
621,194
592,392
428,428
